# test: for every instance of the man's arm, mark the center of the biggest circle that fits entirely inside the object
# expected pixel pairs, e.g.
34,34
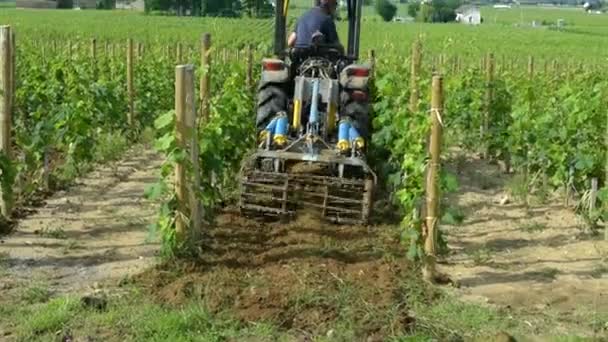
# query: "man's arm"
291,41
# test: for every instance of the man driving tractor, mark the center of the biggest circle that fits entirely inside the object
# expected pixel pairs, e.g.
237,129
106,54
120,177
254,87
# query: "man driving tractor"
316,23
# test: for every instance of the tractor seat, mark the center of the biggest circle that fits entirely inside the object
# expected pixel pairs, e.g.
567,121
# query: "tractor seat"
326,51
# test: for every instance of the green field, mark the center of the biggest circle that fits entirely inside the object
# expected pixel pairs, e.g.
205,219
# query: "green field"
584,37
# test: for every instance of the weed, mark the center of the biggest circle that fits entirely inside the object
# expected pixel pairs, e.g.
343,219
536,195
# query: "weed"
35,294
148,135
533,227
485,181
453,216
480,256
548,272
460,162
133,222
4,256
68,171
153,234
519,187
53,233
329,247
598,271
110,209
50,317
110,146
472,320
71,245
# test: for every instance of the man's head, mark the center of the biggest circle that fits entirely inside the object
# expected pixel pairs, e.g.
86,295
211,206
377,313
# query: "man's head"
328,6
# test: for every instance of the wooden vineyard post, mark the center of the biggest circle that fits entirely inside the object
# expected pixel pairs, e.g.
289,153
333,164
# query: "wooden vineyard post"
6,96
555,67
593,196
487,113
204,81
69,49
106,49
178,53
415,72
452,65
531,67
13,73
250,84
372,63
455,65
606,176
431,220
130,87
185,135
94,49
203,119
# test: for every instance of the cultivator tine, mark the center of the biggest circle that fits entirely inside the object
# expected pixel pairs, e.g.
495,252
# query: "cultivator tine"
338,200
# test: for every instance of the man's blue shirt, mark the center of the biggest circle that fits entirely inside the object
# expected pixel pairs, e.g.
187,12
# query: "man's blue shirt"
312,21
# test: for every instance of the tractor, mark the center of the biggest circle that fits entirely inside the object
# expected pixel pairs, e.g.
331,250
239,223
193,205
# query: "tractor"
313,126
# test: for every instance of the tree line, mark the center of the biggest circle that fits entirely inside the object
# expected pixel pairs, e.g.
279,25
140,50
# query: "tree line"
223,8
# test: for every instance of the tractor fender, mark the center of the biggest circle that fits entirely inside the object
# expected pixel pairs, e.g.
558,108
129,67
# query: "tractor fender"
355,77
274,71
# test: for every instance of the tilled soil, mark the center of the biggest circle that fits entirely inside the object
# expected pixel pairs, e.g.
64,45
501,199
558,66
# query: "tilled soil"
305,276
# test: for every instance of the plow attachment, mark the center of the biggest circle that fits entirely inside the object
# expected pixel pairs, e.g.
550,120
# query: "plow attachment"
307,186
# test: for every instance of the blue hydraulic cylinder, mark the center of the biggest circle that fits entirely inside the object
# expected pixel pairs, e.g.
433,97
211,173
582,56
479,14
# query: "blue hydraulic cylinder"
314,107
270,128
355,138
353,134
343,130
281,129
282,125
343,135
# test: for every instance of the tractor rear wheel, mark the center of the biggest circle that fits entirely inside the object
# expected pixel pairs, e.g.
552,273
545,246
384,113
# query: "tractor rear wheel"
271,99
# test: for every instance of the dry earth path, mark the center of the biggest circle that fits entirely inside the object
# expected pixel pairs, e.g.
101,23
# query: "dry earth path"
95,231
540,259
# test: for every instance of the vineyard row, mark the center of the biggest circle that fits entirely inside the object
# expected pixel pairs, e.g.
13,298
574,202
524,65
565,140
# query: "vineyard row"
79,102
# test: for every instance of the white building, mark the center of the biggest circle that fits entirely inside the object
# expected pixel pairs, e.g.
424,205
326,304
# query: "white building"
469,15
136,5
